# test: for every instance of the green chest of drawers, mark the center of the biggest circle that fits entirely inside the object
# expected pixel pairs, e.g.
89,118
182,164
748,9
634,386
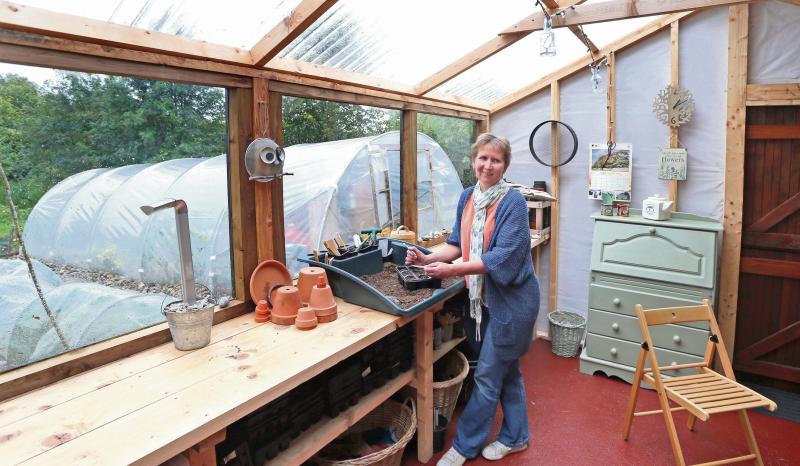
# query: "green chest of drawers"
656,264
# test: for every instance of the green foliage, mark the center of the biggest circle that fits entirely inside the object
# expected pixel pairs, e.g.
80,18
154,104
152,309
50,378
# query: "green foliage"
309,121
455,136
83,121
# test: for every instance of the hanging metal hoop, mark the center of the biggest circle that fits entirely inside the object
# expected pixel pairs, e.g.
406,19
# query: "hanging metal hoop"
574,143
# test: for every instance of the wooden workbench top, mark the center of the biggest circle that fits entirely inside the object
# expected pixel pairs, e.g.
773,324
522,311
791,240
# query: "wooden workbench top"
148,407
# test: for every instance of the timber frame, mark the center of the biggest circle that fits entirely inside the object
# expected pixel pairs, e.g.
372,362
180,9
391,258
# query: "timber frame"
256,80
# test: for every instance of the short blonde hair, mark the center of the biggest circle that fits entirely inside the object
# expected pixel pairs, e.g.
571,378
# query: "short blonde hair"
497,142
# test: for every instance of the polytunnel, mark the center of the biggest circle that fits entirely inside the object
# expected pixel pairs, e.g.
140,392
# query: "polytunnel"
92,219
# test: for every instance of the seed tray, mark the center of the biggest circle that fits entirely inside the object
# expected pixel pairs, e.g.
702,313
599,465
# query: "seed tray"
413,278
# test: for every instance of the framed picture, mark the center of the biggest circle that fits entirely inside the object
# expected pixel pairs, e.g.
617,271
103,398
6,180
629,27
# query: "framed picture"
672,164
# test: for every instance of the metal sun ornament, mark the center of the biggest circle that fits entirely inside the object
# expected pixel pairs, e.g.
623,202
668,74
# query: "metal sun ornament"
673,106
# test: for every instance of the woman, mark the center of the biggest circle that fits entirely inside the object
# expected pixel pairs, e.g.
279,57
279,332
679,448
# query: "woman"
492,236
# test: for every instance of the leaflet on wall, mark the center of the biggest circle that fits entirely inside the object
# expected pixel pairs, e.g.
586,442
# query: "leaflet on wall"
610,169
672,164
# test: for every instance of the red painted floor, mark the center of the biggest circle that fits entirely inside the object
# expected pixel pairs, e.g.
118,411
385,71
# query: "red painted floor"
576,419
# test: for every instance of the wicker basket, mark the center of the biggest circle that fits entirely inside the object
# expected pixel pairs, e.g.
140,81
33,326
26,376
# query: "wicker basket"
566,331
445,394
390,414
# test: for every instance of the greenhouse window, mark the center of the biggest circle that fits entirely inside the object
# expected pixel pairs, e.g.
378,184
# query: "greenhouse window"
83,152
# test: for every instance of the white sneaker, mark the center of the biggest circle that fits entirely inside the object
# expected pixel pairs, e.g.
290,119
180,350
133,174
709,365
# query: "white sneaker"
451,458
497,451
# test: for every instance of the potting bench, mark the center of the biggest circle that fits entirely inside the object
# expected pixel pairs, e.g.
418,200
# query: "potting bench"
146,408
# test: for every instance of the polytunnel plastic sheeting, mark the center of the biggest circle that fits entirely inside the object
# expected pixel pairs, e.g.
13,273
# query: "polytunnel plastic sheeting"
86,313
17,291
100,226
335,189
205,190
39,236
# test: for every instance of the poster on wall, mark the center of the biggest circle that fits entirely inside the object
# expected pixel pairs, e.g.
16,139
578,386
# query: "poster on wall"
610,170
672,164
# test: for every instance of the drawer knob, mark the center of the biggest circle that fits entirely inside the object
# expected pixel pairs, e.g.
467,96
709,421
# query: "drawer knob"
652,231
676,338
615,326
616,301
613,351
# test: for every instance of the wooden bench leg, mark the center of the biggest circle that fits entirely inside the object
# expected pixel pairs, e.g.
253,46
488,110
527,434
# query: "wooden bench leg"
424,380
204,453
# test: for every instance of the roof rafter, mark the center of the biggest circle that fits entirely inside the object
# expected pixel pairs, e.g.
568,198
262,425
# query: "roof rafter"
580,64
554,7
288,29
614,10
483,52
29,19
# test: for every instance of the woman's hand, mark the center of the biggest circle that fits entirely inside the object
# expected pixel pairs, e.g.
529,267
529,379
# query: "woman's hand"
415,257
440,270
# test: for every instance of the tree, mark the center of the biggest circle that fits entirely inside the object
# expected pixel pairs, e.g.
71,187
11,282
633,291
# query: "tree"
309,121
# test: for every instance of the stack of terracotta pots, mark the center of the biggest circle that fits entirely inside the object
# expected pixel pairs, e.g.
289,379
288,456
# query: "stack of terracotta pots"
305,305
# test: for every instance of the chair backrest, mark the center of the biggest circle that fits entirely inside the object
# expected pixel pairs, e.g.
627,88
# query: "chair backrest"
680,315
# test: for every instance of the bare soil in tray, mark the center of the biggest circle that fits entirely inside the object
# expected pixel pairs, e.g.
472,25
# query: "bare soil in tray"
389,285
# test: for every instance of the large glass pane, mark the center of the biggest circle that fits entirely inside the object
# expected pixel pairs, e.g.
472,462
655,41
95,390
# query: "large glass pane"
83,152
238,23
403,41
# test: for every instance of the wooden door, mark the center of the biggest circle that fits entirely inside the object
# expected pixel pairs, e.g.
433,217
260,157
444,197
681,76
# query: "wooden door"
768,312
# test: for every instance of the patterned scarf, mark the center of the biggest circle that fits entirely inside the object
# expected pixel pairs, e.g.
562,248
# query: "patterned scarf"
481,201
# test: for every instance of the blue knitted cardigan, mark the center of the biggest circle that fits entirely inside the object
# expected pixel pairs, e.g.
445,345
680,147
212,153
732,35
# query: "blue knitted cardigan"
512,289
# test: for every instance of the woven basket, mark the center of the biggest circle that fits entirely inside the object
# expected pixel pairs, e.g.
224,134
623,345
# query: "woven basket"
390,414
566,331
445,394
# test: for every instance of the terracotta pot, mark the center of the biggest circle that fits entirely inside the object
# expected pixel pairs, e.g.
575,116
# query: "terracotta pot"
262,311
307,279
322,302
285,302
306,318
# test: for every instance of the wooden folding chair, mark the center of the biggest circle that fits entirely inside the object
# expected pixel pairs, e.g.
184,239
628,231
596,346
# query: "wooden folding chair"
702,394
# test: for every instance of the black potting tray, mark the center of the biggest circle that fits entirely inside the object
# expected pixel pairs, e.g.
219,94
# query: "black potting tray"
343,277
414,278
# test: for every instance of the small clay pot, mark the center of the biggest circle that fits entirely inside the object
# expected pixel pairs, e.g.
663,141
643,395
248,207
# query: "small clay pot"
306,318
285,303
322,302
262,311
307,279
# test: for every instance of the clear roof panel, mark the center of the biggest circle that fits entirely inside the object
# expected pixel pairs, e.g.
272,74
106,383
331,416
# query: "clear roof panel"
509,70
520,64
404,41
237,23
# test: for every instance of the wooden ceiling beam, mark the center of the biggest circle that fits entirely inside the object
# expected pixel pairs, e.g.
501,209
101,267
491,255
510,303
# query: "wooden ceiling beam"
614,10
582,63
288,29
29,19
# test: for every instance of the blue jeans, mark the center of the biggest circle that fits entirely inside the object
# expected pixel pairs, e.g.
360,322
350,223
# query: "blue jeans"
496,380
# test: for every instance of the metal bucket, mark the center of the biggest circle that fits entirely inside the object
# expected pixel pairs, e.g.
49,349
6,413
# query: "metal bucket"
191,329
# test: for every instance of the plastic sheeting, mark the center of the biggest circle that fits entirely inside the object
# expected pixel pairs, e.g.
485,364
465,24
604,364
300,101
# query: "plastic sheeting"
642,70
86,313
334,188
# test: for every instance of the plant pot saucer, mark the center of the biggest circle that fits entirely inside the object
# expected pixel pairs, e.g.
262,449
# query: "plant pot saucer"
265,276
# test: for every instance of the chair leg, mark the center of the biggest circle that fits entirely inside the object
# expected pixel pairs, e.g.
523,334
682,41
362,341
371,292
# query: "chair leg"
690,421
635,387
751,438
671,431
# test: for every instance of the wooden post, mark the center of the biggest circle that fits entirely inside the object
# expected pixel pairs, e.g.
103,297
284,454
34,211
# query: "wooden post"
268,196
674,60
611,98
242,192
408,171
204,453
555,188
734,173
423,374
